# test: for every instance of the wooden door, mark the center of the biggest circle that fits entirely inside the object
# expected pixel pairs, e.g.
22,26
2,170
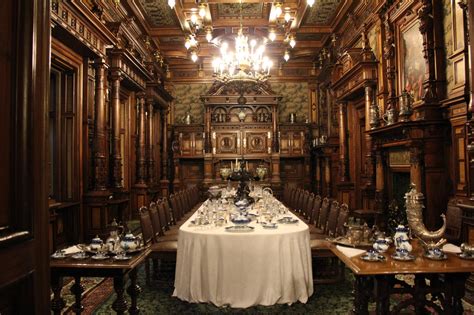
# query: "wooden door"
186,143
255,142
285,142
297,143
24,73
228,142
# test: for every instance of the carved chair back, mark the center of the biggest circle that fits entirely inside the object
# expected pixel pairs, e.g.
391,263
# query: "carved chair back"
316,210
146,225
323,214
332,218
342,220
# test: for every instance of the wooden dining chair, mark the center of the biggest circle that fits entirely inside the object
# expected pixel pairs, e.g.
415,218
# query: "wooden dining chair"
323,215
342,220
332,219
315,211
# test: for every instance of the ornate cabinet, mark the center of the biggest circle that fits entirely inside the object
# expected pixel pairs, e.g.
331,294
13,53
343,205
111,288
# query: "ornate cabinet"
189,141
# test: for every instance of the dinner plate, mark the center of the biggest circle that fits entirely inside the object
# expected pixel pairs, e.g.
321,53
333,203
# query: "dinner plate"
239,228
96,257
408,257
464,256
288,220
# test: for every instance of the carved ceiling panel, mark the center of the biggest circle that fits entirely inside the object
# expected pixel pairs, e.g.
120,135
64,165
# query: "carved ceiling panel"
159,13
322,12
232,10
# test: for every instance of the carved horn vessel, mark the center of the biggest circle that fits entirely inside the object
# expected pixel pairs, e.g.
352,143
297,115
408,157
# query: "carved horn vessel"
414,207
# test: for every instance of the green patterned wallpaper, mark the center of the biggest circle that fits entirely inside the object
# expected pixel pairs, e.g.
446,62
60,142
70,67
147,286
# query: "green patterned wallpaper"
448,40
187,98
295,99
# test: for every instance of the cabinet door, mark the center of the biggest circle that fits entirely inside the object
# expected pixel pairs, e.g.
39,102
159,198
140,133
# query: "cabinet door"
285,141
255,142
228,142
198,143
186,144
297,143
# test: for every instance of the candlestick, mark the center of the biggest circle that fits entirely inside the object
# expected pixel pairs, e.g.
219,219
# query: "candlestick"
231,166
247,165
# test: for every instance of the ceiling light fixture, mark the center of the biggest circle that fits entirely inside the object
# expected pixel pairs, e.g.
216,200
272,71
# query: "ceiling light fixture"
287,17
209,34
286,56
278,10
190,42
292,42
194,56
272,35
310,2
202,10
194,18
246,62
171,3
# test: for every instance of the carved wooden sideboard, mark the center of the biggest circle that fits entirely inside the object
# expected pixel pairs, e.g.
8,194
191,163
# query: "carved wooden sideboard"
240,122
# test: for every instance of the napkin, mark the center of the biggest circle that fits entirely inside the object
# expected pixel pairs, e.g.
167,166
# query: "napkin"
72,250
350,252
451,248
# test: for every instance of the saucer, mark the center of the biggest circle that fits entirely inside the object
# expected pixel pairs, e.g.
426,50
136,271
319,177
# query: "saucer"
269,226
122,257
442,257
79,256
464,256
97,257
408,257
374,258
58,256
239,229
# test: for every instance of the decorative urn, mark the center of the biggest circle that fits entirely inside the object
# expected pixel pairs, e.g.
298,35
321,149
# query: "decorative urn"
96,243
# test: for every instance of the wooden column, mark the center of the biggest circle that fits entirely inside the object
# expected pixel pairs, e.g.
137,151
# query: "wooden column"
318,176
150,161
389,56
425,15
141,162
470,77
207,138
327,175
343,144
116,155
99,141
379,181
164,182
369,158
276,140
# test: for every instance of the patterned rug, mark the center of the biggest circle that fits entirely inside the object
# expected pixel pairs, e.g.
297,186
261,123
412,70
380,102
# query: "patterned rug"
156,299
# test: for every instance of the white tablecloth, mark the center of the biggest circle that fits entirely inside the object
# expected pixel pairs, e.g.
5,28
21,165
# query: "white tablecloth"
263,267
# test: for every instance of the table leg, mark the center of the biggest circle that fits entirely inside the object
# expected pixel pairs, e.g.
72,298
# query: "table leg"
382,289
57,304
120,304
134,290
77,289
455,292
361,301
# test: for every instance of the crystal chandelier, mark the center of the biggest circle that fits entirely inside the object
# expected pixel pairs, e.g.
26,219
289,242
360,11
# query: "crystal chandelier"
246,62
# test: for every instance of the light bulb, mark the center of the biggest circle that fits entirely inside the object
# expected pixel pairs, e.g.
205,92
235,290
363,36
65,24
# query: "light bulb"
287,17
310,2
194,56
171,3
253,43
209,35
278,10
286,56
202,10
187,43
292,42
194,18
272,35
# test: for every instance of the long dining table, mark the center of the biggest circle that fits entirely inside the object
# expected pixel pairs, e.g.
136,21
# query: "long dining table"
261,267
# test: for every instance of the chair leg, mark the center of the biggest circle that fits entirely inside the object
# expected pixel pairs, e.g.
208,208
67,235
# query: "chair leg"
147,271
155,268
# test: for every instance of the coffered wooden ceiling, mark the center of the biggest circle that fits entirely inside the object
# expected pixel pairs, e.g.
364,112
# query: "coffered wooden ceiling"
310,26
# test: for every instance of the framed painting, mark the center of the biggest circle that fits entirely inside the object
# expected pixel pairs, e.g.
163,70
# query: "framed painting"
412,63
